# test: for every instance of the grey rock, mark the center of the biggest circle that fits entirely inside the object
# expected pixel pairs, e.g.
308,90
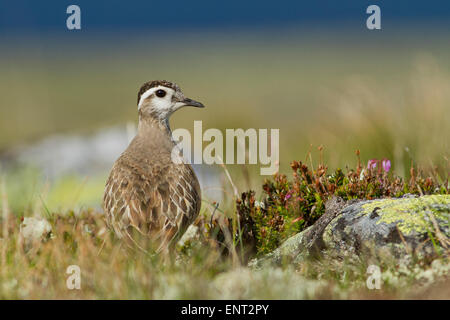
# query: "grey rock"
383,227
395,226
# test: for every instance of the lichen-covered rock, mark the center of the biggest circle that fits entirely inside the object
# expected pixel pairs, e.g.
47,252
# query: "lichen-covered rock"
399,226
244,283
192,234
290,250
396,227
33,231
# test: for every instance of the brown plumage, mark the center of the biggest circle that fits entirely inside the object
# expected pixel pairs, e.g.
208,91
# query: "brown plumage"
150,200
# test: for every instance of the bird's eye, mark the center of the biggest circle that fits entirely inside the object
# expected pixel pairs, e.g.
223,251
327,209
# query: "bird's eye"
160,93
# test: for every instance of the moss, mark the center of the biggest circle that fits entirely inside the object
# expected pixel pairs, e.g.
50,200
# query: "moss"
410,213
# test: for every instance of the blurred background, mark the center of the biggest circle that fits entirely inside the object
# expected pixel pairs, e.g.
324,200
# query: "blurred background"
311,69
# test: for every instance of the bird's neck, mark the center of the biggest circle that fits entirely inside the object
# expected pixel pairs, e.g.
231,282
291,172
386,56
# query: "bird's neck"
148,125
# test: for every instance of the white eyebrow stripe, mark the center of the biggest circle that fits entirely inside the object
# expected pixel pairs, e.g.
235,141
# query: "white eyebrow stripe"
149,92
145,95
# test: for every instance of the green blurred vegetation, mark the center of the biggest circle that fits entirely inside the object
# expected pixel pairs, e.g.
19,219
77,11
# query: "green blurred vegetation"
390,99
29,192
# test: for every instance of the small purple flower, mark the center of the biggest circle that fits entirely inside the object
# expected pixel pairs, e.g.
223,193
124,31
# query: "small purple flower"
386,165
372,164
288,196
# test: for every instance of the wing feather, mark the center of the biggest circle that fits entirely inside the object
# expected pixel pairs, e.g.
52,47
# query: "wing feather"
158,204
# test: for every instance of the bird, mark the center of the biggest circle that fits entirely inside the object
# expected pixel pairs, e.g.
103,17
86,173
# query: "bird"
150,200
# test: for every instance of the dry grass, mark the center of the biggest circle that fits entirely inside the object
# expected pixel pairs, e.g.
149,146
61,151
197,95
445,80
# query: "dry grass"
109,270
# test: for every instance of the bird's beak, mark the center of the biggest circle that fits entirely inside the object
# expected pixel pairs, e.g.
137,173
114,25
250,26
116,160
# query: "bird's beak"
192,103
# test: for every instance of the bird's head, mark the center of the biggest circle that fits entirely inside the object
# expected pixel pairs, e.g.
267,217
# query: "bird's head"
158,99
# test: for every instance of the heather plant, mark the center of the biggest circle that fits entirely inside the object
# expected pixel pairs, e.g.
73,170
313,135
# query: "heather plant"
289,206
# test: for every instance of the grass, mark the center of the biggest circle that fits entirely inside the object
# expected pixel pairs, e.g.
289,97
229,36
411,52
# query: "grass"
209,265
108,271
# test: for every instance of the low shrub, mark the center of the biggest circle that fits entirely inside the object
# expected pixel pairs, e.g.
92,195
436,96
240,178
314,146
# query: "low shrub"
289,206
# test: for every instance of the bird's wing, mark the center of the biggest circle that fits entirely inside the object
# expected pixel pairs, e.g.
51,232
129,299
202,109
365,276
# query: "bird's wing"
160,203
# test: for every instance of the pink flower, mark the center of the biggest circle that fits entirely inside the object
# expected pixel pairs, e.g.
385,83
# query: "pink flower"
288,196
372,164
386,165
